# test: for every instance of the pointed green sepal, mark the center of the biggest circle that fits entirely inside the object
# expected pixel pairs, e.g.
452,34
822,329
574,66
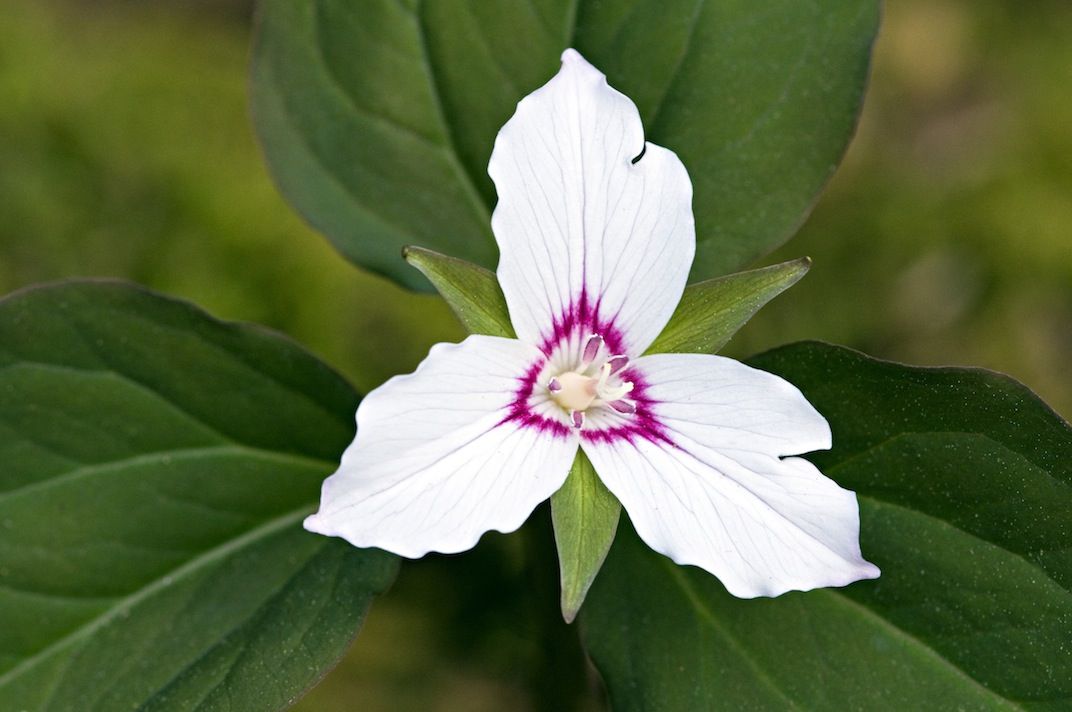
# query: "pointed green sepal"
585,516
472,292
711,312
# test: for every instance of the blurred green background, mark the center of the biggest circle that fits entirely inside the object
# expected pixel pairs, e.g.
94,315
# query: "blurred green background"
945,238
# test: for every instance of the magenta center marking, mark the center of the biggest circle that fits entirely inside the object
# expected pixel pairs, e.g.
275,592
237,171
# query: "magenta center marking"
584,348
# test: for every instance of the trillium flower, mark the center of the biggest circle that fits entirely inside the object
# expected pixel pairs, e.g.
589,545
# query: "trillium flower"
596,238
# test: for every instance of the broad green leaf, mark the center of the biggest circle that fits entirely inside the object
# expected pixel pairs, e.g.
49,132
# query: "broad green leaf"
157,464
964,483
378,118
472,292
585,516
711,312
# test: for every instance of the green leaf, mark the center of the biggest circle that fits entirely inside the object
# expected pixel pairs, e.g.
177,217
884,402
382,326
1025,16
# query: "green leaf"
157,466
585,516
472,292
378,118
964,485
711,312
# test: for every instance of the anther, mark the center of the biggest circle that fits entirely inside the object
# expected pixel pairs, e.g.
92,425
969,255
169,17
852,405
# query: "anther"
554,386
592,347
577,416
617,363
623,406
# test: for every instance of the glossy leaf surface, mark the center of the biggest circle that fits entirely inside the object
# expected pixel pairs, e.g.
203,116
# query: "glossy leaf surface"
378,118
157,464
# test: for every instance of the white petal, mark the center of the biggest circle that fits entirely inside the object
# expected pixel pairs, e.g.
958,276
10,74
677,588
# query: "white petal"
586,235
705,485
725,404
438,460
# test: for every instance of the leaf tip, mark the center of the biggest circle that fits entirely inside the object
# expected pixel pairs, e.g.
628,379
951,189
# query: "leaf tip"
418,258
570,609
412,254
794,270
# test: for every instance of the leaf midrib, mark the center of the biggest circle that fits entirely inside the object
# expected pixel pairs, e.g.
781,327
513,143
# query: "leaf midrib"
454,156
223,550
693,598
224,637
451,148
708,616
174,405
158,456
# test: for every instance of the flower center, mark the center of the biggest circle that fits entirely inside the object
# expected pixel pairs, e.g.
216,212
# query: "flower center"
573,391
591,383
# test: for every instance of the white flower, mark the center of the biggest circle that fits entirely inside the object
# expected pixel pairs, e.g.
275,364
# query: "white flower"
595,248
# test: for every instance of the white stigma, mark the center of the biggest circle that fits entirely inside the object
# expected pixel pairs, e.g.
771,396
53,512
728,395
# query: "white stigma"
575,392
607,392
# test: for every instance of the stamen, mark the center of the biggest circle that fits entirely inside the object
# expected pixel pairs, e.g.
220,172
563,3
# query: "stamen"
594,381
610,395
604,374
617,363
592,347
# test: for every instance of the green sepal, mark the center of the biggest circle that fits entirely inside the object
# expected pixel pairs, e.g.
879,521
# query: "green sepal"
472,292
711,312
585,516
